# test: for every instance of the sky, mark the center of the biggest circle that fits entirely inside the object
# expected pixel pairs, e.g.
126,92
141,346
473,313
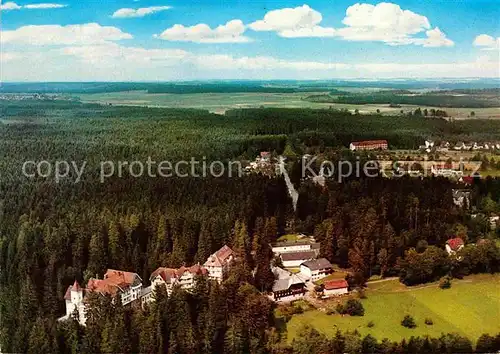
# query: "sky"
164,40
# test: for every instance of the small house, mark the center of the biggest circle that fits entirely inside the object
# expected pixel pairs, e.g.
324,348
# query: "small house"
295,259
287,286
316,269
335,287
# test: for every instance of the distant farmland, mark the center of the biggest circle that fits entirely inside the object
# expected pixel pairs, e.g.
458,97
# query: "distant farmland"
470,307
221,102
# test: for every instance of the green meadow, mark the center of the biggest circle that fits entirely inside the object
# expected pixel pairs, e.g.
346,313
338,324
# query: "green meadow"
470,307
221,102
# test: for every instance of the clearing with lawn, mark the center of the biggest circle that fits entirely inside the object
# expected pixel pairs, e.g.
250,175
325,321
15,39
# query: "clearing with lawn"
470,307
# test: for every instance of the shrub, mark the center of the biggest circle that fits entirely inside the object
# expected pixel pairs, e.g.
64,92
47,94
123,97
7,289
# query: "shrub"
371,324
408,322
429,322
445,283
352,307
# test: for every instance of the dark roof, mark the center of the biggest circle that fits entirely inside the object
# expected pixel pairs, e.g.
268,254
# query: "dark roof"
336,284
297,256
317,264
285,284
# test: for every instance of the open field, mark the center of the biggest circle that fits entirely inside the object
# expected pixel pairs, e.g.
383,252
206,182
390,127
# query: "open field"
470,307
221,102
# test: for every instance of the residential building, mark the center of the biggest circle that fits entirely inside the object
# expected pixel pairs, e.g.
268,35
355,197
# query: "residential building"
494,221
295,259
218,263
127,285
454,245
287,286
316,269
446,170
297,246
170,277
461,197
74,301
369,145
116,282
335,287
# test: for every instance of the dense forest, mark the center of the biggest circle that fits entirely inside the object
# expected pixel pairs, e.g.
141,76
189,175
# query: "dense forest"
233,86
53,233
459,99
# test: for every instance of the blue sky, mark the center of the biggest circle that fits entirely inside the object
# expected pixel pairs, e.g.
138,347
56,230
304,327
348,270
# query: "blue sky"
81,40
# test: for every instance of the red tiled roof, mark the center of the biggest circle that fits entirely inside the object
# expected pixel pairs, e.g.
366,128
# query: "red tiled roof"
455,243
220,257
265,154
114,280
468,179
67,295
336,284
447,166
369,142
167,274
75,287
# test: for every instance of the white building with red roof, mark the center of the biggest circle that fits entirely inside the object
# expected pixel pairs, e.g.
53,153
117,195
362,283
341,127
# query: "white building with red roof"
369,145
170,277
74,302
127,285
219,262
335,287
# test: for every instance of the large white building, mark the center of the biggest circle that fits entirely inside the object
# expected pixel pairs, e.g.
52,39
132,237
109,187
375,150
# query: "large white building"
292,247
218,263
316,269
295,259
170,277
74,301
127,285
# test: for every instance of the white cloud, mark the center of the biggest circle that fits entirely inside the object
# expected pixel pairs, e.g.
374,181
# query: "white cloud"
89,33
10,56
13,6
436,38
231,32
487,42
9,6
384,22
111,61
111,53
44,6
141,12
288,19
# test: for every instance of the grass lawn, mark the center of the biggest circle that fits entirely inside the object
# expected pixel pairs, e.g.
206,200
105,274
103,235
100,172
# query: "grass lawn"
289,238
334,276
470,307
